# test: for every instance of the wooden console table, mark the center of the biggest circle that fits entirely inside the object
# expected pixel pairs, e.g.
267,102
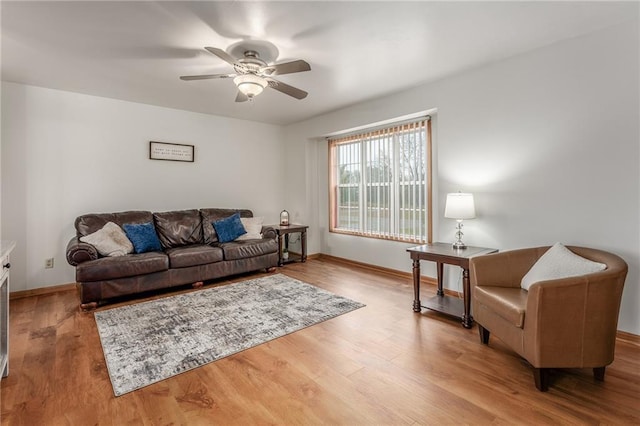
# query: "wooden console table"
442,253
283,243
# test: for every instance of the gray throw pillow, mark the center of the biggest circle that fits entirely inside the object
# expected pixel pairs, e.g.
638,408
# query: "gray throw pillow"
110,240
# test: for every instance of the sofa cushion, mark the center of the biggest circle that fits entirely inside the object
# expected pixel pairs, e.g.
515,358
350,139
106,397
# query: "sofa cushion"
199,254
90,223
211,215
110,240
143,237
179,228
253,226
229,228
508,302
559,262
245,249
107,268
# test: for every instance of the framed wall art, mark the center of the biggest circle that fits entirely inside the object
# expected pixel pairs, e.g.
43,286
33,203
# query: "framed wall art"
171,151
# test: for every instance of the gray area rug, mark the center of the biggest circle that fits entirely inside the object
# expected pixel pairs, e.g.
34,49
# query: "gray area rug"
147,342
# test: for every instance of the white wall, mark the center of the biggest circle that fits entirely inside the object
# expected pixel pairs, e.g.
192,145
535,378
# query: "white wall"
547,141
1,169
66,154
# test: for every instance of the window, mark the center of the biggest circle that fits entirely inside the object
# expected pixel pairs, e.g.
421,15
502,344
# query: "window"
380,183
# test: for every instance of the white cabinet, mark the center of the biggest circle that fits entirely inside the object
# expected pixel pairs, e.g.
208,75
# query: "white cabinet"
5,251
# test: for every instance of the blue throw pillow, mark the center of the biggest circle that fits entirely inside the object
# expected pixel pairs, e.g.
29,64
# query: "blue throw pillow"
143,237
230,228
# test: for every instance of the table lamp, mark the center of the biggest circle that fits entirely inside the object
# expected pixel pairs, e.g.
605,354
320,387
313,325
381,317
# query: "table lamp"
459,206
284,218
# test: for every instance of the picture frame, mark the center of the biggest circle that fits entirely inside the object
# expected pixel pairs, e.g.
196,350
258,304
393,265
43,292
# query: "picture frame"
171,151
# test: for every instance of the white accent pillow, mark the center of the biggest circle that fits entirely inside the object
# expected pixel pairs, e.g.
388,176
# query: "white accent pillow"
253,226
559,262
109,241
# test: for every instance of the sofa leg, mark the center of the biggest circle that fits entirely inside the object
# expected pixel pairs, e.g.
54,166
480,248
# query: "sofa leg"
598,373
197,285
88,306
484,335
271,269
541,377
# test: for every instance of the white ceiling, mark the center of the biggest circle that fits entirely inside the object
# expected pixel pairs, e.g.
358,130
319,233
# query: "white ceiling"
136,51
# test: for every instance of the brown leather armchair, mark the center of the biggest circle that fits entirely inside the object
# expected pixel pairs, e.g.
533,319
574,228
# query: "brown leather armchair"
563,323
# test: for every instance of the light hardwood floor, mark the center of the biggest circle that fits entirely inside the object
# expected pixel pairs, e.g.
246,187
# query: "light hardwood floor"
382,364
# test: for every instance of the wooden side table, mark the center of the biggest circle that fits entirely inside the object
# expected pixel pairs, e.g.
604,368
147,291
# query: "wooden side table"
283,232
442,253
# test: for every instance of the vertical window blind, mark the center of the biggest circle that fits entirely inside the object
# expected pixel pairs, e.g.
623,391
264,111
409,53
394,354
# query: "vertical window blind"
381,182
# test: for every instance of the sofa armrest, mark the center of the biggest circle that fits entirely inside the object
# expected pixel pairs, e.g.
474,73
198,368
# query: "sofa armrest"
268,232
79,252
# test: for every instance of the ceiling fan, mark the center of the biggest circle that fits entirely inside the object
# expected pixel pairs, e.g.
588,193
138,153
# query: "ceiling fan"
252,74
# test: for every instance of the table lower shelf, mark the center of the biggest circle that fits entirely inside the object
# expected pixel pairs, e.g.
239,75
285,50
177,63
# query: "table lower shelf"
293,257
452,306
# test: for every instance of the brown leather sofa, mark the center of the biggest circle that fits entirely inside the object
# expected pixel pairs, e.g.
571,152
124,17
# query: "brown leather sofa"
563,323
191,254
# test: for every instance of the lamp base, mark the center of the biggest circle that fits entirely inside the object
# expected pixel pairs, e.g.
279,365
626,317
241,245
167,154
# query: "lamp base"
459,245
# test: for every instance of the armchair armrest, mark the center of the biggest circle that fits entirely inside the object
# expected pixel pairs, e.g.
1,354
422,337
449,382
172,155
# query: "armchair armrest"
79,252
504,269
268,232
575,312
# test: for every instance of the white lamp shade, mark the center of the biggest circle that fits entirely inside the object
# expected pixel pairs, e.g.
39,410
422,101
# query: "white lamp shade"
250,84
460,205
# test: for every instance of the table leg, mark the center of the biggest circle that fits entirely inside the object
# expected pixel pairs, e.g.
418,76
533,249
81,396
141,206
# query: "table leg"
416,285
467,319
440,268
303,245
280,262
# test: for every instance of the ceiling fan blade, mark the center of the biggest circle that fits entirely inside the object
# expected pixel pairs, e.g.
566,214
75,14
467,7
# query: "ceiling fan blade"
206,76
241,97
286,68
222,55
286,89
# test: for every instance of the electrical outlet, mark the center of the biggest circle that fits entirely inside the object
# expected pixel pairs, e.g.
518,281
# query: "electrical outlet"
48,263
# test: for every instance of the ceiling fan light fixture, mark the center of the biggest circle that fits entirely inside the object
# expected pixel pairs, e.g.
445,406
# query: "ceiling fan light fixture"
252,74
250,84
